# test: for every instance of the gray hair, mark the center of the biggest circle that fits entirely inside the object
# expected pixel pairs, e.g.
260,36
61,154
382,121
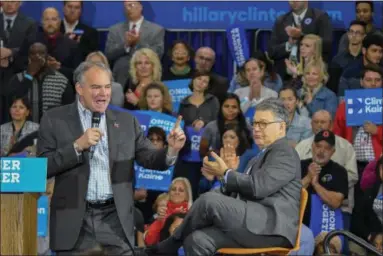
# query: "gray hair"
79,73
276,107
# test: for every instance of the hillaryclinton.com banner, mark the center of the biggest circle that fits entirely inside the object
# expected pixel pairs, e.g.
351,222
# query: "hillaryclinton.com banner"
203,14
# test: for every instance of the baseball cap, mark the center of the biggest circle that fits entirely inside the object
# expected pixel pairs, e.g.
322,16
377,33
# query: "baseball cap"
325,135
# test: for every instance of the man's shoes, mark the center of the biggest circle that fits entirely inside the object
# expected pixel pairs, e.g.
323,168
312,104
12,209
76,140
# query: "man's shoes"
168,247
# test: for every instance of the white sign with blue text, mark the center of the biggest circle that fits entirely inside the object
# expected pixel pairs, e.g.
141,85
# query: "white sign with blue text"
23,174
363,105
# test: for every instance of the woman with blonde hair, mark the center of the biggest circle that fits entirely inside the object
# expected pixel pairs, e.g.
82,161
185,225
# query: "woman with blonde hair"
180,201
145,68
156,97
314,95
117,92
310,50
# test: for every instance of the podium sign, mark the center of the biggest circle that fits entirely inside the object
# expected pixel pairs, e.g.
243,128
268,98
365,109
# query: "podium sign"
23,174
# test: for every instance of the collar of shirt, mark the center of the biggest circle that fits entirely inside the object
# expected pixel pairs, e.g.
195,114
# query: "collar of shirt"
69,28
84,111
137,23
7,17
300,16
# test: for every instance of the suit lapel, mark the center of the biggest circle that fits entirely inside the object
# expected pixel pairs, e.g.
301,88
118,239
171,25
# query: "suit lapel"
289,21
75,125
112,127
2,35
308,21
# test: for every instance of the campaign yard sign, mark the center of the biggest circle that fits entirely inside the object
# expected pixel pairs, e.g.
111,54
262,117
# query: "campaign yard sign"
23,174
363,105
178,89
153,179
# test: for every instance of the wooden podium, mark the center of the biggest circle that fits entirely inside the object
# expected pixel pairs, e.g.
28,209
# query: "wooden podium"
18,224
21,182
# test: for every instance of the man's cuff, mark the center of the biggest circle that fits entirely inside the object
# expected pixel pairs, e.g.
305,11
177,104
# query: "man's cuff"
226,175
288,47
170,160
127,49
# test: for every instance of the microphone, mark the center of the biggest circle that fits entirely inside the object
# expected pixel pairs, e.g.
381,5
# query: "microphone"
96,118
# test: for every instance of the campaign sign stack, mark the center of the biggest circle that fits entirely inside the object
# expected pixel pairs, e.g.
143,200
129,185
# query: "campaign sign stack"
363,105
21,178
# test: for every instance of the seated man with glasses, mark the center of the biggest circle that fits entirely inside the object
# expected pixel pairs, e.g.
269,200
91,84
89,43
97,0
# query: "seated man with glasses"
255,209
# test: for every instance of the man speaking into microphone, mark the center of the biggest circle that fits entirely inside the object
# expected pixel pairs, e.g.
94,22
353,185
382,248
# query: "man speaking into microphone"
91,151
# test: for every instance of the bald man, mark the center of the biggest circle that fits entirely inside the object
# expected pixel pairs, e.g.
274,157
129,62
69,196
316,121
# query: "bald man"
63,53
204,61
344,155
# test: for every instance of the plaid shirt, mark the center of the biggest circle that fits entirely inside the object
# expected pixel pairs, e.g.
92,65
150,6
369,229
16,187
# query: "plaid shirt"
99,186
363,146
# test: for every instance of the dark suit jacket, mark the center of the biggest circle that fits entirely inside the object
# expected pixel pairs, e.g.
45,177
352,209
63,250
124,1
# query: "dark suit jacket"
89,41
65,51
272,193
219,86
59,128
320,25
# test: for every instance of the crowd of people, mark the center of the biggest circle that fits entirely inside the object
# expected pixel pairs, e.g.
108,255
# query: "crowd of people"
340,164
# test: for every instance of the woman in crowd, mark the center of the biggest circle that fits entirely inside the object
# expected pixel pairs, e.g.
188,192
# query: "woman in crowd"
180,54
117,91
272,79
367,219
251,95
180,201
230,112
156,97
197,110
145,68
299,127
144,199
335,245
314,94
236,152
310,50
19,127
200,107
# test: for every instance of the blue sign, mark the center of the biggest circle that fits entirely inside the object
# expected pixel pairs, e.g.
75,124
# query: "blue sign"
363,105
238,46
152,179
203,14
192,154
323,218
164,121
23,174
42,216
178,89
249,115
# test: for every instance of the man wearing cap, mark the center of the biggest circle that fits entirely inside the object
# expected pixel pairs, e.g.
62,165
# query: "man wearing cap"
322,176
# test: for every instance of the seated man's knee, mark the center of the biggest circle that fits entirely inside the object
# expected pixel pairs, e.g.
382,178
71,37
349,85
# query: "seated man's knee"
198,243
210,198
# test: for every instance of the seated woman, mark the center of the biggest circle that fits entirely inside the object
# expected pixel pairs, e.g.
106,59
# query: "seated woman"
314,94
272,80
310,50
145,68
299,127
230,112
367,217
156,97
180,201
256,92
236,151
117,92
180,54
19,127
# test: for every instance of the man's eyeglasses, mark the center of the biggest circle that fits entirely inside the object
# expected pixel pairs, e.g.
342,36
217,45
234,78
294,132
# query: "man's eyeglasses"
263,125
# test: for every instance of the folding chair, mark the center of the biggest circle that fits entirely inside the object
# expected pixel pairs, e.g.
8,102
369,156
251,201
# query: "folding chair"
273,250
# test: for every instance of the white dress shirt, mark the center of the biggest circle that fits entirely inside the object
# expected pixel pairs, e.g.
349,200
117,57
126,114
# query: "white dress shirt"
68,27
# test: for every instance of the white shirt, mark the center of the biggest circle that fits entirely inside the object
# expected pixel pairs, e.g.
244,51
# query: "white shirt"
298,19
243,94
69,28
6,17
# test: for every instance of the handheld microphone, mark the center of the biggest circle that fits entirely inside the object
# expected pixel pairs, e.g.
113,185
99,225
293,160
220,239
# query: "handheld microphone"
96,118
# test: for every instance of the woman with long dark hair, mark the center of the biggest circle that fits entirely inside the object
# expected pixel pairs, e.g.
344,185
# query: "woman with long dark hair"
230,113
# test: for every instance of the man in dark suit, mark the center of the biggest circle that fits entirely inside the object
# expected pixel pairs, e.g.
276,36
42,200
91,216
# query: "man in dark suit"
289,29
92,201
84,35
126,37
265,209
15,31
64,54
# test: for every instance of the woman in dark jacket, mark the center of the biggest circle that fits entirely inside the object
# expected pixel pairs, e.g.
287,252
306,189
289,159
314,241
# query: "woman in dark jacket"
367,218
